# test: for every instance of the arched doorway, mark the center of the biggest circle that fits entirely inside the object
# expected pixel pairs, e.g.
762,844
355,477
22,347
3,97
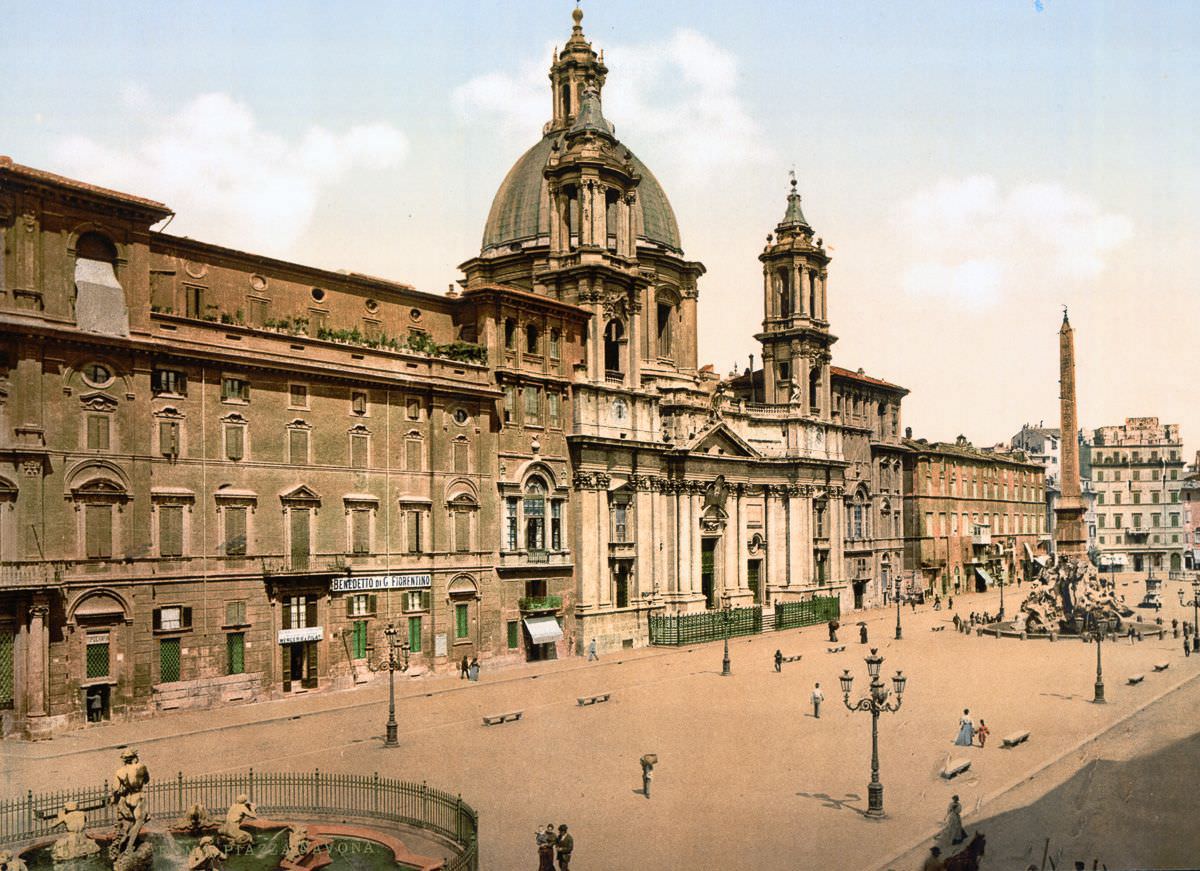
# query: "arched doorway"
614,338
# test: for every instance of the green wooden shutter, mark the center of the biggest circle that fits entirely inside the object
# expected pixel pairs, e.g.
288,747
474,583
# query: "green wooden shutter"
462,531
461,457
235,648
98,527
298,446
462,627
235,531
311,680
234,448
310,611
170,530
285,618
168,660
414,634
361,528
372,601
286,671
299,526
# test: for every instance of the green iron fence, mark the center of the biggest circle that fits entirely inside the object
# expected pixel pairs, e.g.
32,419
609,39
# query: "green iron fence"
819,609
278,795
677,629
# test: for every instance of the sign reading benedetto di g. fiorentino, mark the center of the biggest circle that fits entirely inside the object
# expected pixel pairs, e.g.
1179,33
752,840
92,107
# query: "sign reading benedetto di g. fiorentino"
379,582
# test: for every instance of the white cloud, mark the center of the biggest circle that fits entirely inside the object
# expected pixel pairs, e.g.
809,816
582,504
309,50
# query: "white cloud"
229,180
676,97
970,242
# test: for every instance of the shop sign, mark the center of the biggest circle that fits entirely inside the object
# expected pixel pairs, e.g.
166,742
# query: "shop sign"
380,582
304,633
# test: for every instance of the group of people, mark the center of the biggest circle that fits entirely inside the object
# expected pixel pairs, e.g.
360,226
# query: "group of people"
548,841
469,670
968,732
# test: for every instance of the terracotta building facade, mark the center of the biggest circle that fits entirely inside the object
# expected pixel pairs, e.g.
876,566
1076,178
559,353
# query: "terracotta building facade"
222,476
975,518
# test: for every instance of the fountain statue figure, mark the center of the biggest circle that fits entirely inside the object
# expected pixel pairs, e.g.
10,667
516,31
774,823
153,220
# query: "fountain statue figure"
129,795
204,856
75,844
9,862
1068,596
231,832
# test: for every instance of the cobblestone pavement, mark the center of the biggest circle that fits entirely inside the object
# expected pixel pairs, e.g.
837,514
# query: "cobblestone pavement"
747,777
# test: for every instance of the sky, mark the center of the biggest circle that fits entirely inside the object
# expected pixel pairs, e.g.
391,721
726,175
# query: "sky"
972,167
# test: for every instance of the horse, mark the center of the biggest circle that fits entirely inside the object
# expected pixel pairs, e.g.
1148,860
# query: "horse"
968,858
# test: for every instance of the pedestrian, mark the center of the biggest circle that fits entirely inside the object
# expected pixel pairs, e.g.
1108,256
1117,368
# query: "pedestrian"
933,862
954,828
833,628
473,669
571,644
545,847
862,633
647,772
592,650
1174,627
779,660
957,623
966,730
951,604
913,602
817,698
464,668
982,732
1187,647
566,845
937,603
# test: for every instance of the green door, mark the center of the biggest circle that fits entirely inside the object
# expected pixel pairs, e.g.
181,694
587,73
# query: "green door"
708,547
752,569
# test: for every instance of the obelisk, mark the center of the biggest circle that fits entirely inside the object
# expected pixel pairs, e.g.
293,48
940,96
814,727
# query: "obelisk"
1070,536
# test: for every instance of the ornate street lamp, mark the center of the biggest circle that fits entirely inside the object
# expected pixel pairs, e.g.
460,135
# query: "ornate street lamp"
1097,634
898,635
726,618
394,663
1195,603
875,703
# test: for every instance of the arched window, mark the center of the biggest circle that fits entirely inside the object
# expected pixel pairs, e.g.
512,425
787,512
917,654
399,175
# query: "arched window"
611,198
614,334
510,334
532,340
535,514
785,294
814,387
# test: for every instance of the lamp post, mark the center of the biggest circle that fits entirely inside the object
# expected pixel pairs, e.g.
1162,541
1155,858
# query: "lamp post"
1003,571
1097,634
875,703
898,634
395,648
1195,603
726,618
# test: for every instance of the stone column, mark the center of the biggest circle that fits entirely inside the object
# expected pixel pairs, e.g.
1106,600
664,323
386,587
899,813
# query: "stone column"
683,561
807,571
822,298
837,538
37,675
776,572
587,546
796,543
768,302
603,571
806,292
739,555
634,347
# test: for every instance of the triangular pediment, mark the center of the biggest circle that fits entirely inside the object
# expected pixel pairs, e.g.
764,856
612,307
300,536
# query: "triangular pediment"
720,440
303,493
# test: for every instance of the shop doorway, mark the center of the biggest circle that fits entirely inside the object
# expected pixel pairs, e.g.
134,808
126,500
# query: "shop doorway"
300,666
96,703
859,588
753,568
708,547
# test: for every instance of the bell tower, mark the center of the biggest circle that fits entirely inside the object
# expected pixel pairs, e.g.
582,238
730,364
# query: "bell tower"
795,338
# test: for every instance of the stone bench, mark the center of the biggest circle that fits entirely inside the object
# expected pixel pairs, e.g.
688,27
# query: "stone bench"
937,628
1161,666
1137,678
1014,739
837,649
496,719
955,767
795,658
592,700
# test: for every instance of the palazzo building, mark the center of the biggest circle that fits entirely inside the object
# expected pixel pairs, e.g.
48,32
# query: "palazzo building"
223,475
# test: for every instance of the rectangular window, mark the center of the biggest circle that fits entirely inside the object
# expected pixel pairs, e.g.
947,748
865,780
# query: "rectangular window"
168,660
1118,520
412,455
413,409
360,451
556,525
1100,518
462,623
297,396
360,640
620,522
510,403
298,447
1174,519
533,406
299,612
510,523
169,381
514,634
172,618
554,341
1155,519
358,402
1137,521
97,654
462,531
235,442
235,614
361,604
258,312
553,408
170,530
7,670
235,653
98,527
415,600
461,457
235,390
235,531
193,301
414,634
928,523
168,438
97,432
414,532
360,531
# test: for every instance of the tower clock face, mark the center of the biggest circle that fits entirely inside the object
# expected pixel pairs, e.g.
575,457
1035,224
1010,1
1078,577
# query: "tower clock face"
620,410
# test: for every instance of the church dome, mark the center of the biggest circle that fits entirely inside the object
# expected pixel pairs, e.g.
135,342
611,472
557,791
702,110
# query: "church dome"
521,210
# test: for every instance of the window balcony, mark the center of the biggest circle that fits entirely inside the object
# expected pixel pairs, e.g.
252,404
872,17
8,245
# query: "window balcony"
529,604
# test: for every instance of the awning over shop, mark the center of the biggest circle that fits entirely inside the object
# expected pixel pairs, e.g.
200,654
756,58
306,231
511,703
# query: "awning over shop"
985,577
1042,561
543,630
1028,552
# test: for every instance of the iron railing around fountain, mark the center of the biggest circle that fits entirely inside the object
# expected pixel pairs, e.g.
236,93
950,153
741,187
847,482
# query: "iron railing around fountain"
304,795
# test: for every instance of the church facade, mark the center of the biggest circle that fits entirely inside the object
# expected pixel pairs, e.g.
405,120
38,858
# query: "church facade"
225,477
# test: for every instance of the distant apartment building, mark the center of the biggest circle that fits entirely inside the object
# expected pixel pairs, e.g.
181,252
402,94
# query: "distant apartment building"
975,518
1042,444
1137,474
1190,495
